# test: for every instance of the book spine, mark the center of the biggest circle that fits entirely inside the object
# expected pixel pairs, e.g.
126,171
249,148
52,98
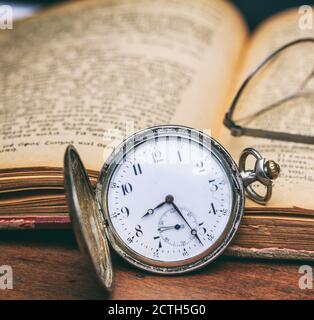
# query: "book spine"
25,223
269,253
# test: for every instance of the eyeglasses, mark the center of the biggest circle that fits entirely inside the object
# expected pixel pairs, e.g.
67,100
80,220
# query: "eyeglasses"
276,101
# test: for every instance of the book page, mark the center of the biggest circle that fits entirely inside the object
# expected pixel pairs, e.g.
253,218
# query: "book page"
93,72
295,186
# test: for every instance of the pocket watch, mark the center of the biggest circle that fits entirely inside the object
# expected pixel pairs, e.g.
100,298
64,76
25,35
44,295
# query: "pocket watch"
168,200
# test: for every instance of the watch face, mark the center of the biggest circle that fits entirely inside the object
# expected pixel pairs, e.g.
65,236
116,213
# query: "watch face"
171,199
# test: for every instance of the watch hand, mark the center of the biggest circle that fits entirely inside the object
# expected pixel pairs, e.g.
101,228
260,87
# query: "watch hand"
193,231
149,212
165,228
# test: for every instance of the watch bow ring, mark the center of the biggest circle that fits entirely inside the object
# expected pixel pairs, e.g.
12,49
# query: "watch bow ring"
263,172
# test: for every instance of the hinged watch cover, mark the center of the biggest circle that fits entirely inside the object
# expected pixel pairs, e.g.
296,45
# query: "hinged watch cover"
86,218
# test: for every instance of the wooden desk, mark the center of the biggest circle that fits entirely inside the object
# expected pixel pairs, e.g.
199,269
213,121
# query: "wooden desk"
48,265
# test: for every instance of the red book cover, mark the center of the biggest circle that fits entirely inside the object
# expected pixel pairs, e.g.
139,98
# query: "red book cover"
35,222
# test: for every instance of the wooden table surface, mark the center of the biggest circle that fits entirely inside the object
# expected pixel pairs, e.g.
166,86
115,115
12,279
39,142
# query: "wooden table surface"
48,265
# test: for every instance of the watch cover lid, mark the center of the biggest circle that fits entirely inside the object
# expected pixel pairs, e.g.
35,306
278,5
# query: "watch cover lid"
86,218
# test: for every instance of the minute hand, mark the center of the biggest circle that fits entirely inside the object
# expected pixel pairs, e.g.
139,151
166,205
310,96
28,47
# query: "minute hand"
193,231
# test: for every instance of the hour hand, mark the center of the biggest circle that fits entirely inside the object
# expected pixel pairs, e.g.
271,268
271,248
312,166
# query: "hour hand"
168,199
151,211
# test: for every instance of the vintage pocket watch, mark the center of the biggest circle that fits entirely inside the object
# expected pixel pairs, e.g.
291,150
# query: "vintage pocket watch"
168,200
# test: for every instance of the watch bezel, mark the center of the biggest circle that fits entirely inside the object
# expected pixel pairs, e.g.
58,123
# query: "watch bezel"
219,246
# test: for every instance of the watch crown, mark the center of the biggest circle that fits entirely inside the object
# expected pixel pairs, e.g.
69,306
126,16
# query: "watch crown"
272,169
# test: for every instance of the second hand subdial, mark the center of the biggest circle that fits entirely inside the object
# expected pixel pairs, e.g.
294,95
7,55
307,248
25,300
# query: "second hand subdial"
172,231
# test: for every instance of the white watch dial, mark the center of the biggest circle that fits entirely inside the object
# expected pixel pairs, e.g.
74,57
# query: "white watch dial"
170,199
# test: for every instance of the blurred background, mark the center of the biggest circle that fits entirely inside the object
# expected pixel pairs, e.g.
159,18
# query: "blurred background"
253,11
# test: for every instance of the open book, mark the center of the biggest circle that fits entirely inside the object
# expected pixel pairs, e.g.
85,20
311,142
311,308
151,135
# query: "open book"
92,72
